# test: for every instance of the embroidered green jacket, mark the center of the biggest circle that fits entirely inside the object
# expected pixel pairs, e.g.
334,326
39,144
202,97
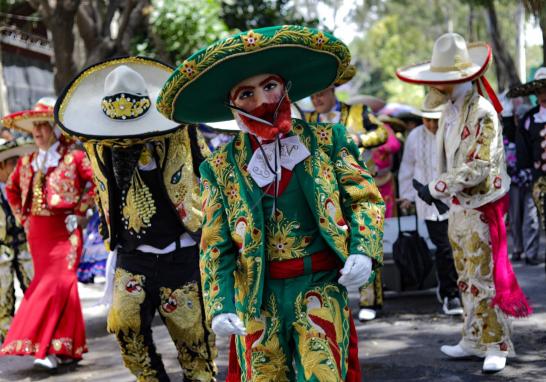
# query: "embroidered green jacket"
232,260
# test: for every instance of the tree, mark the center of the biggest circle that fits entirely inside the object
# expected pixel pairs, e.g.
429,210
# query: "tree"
505,68
250,14
94,20
538,9
177,28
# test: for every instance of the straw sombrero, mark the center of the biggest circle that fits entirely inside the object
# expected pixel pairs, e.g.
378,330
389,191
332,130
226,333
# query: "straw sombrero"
539,81
24,120
115,99
16,147
453,61
198,89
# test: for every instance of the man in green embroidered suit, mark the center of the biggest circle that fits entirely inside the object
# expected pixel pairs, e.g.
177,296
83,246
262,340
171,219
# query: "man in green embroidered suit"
145,169
287,205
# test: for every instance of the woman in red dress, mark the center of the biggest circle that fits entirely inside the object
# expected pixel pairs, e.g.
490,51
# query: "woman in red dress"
49,191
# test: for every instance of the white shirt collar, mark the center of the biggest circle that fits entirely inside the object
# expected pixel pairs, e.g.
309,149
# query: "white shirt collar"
47,158
459,93
540,117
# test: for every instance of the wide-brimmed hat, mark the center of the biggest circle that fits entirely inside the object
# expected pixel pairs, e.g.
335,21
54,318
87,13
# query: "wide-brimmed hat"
453,61
24,120
198,89
372,102
539,81
347,76
16,147
434,113
115,99
395,123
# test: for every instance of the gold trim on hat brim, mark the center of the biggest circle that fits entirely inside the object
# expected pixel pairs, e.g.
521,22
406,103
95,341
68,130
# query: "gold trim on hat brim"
156,124
25,121
526,89
18,151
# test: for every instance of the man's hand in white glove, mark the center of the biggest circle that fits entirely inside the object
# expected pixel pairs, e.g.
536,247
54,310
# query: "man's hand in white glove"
356,272
226,324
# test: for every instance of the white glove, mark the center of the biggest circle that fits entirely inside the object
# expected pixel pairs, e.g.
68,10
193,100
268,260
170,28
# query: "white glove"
71,223
226,324
356,271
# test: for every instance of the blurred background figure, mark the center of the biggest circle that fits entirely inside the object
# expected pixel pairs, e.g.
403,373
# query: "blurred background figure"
48,195
529,172
15,259
419,162
93,261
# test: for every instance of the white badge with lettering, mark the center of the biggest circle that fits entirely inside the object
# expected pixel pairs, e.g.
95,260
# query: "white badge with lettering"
292,152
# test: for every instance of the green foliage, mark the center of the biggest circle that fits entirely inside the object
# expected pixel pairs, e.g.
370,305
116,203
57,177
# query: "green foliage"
398,33
249,14
180,27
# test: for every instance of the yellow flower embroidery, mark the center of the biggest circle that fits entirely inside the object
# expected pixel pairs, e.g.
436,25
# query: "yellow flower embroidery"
189,69
122,107
319,40
326,172
232,191
219,161
251,40
280,246
324,135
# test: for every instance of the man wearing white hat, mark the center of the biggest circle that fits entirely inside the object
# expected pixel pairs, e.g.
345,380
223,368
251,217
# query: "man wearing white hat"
419,163
14,255
145,170
531,143
473,176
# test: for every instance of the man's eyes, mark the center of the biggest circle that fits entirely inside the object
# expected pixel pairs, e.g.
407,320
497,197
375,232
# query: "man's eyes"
245,94
270,86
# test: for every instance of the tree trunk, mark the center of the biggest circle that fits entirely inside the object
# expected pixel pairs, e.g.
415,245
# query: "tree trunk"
61,26
542,23
507,75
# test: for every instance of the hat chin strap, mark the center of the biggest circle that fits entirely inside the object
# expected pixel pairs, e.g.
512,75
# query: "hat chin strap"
482,81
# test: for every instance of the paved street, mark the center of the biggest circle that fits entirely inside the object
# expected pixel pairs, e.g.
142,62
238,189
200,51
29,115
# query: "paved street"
401,345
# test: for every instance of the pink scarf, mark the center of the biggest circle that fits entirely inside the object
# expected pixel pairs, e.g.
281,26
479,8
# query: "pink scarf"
508,295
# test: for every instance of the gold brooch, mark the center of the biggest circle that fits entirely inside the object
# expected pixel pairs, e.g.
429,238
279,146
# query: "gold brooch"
123,107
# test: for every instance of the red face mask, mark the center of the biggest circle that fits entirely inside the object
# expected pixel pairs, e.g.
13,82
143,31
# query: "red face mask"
283,124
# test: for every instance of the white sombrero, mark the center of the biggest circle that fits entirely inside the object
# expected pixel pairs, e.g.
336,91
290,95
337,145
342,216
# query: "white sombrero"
434,113
24,120
16,147
539,81
453,61
372,102
115,99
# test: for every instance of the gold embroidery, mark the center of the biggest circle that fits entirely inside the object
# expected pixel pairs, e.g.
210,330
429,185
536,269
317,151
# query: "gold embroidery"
135,357
129,294
282,243
139,205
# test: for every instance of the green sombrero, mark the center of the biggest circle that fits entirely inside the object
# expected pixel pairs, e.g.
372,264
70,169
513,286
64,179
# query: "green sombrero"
198,89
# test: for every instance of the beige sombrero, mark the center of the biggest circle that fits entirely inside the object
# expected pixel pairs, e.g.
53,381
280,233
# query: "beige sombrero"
16,147
453,61
539,81
115,99
431,113
24,120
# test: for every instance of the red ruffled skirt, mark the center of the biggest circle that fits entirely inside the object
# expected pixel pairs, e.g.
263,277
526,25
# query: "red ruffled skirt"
50,319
